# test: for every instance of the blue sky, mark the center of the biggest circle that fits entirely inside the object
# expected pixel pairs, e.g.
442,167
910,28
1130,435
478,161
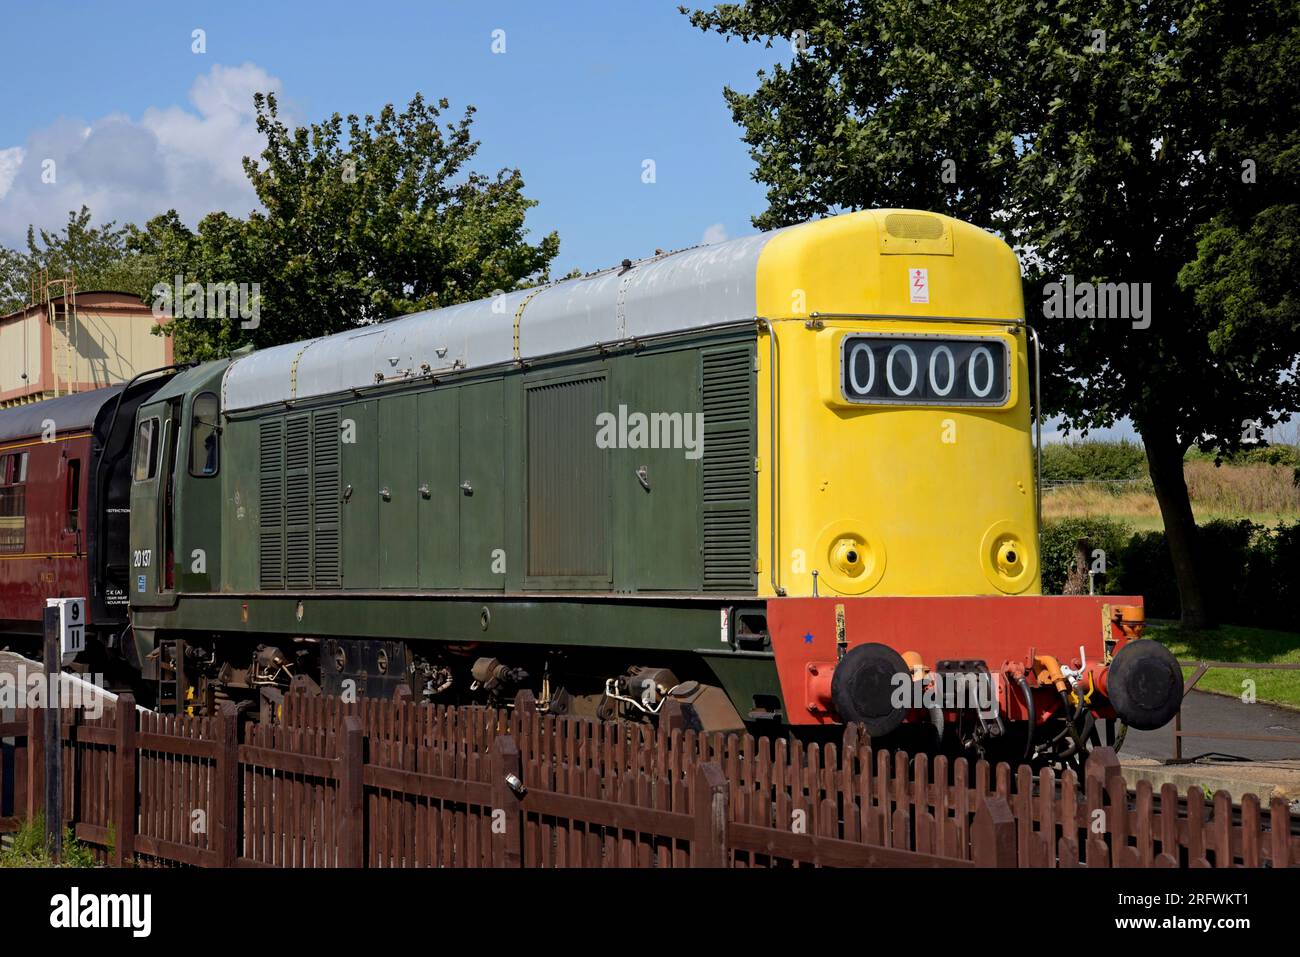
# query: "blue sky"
584,93
136,122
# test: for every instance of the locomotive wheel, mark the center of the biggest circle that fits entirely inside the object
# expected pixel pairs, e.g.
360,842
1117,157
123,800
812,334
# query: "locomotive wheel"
1145,685
862,687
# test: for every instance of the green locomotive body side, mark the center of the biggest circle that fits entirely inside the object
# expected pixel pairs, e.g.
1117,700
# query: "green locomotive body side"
477,508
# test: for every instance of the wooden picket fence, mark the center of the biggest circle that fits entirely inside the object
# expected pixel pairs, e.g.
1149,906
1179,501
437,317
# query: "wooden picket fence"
396,784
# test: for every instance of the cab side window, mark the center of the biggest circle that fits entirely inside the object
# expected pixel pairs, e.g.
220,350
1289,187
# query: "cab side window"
146,450
205,434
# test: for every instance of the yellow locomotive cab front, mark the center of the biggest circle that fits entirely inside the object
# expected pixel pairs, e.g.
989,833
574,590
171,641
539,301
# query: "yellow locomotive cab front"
894,413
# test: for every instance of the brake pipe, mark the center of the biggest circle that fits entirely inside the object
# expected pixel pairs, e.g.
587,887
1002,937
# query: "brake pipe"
1029,704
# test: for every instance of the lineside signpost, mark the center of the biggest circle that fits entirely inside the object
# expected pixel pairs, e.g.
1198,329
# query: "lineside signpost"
65,636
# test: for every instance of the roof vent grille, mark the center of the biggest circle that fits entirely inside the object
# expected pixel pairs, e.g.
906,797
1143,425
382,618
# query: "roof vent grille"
908,226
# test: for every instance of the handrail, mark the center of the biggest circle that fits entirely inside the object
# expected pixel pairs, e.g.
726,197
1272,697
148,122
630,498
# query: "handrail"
1038,444
1201,668
774,354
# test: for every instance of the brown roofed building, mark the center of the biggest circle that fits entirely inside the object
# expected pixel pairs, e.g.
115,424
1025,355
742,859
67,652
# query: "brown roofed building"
49,350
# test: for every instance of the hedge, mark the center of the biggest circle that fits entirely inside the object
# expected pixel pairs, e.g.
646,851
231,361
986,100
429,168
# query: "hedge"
1059,536
1251,572
1093,460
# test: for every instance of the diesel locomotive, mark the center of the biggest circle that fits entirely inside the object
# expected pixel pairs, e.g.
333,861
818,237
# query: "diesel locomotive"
787,479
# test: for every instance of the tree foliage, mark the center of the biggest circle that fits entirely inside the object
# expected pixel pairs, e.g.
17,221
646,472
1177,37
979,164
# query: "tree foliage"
96,256
1109,140
362,220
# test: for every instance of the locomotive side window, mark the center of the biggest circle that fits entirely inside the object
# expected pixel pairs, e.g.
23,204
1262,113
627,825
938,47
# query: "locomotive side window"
925,370
13,503
204,435
146,451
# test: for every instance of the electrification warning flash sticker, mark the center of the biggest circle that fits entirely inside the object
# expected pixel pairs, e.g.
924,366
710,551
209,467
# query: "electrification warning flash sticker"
918,283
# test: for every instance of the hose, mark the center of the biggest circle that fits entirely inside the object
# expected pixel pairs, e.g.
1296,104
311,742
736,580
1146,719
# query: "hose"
1029,703
936,718
1080,737
1119,738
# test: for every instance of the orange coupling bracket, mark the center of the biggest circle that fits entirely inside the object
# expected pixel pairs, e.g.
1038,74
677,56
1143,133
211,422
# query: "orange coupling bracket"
1120,625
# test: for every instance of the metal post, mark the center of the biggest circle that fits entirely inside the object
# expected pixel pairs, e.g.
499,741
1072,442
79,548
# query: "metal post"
53,736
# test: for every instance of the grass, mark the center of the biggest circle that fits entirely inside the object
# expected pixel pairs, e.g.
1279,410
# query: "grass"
28,848
1265,494
1237,643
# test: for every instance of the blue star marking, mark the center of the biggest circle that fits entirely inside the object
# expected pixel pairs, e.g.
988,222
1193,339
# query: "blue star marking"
807,639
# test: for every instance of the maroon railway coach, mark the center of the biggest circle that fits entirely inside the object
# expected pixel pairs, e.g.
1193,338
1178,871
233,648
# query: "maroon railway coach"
65,511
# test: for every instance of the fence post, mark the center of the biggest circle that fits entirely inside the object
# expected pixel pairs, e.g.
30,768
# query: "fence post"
352,785
35,762
525,710
1102,764
124,798
226,826
505,801
993,839
709,847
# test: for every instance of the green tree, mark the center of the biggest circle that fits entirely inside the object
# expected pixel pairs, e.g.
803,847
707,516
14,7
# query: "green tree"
362,220
1135,141
97,256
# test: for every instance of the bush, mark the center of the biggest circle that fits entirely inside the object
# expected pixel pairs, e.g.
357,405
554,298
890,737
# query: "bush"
1093,460
1059,537
1251,573
1277,454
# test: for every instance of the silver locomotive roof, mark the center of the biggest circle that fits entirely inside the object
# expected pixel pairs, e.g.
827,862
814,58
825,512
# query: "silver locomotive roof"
673,292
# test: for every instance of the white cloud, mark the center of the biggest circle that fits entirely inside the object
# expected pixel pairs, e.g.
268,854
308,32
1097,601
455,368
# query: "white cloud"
182,157
10,160
715,234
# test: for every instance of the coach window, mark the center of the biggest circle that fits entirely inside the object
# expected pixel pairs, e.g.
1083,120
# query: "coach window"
74,495
13,502
146,451
204,433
